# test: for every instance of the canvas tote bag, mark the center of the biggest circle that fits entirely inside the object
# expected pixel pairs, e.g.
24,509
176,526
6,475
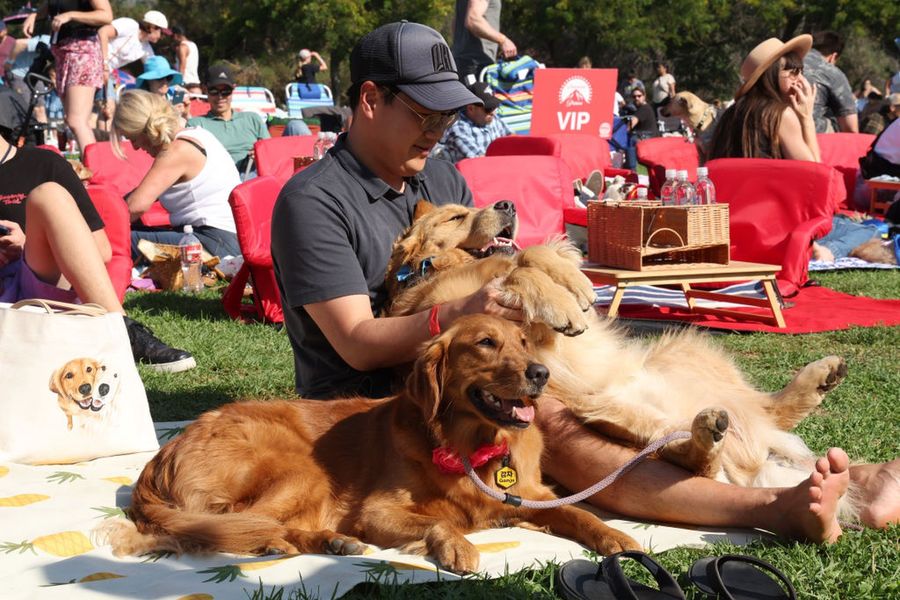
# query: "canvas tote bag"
70,390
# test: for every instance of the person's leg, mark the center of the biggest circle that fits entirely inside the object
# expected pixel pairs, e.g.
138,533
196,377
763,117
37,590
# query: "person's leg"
218,242
58,242
660,491
880,488
79,103
296,127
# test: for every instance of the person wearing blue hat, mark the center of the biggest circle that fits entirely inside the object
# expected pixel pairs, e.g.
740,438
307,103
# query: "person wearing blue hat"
160,78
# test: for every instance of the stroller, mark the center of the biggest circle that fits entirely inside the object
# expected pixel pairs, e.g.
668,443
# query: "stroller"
18,115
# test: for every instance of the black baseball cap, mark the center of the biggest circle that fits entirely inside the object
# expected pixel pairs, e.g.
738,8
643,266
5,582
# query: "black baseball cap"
415,59
484,93
219,75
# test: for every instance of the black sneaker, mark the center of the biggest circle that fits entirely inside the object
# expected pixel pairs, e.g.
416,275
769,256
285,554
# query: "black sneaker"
152,352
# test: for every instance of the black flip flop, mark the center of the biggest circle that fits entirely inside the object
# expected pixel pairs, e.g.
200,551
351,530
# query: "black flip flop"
738,577
586,580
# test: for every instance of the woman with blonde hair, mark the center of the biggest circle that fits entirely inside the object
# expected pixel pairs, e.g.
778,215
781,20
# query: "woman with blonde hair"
192,175
772,115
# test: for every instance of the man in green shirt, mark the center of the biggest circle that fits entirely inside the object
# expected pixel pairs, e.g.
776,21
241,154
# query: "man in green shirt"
237,131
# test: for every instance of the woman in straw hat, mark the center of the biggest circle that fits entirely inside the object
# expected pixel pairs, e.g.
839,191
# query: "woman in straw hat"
772,116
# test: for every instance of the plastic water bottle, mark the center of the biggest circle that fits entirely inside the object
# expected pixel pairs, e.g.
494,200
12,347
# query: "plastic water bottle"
191,258
667,191
328,142
706,190
318,147
684,193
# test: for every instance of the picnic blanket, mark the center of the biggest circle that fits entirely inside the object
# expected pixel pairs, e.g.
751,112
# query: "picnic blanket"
848,262
48,549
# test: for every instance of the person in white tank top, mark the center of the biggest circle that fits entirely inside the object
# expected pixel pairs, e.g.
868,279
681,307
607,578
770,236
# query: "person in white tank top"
192,175
187,60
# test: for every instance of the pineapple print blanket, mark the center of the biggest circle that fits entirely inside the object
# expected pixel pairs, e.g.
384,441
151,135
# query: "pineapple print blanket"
48,550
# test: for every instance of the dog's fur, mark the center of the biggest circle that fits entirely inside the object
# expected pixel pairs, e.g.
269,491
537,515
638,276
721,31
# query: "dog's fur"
84,388
692,110
308,476
627,390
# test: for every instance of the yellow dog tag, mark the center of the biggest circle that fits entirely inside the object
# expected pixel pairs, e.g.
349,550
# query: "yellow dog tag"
506,477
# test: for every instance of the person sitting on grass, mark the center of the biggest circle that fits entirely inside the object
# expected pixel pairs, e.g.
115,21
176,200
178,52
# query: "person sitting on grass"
334,224
56,247
192,175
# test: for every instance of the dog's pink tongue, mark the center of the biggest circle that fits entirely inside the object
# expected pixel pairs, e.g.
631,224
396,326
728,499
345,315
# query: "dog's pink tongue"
524,413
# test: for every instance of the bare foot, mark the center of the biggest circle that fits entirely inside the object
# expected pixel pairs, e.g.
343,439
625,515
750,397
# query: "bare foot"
810,508
822,253
880,489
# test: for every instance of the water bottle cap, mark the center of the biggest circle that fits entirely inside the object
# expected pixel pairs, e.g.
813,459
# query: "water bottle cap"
670,173
682,174
702,171
189,229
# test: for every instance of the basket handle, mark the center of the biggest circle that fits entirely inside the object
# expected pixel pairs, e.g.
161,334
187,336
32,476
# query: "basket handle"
650,237
66,308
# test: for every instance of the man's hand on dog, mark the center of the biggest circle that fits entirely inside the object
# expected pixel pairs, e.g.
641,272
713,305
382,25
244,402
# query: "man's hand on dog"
487,300
11,245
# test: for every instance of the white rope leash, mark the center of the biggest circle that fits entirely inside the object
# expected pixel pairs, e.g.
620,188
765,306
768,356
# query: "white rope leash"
514,500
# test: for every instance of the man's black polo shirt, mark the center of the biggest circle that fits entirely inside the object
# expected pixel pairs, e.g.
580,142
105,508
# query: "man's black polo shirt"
332,231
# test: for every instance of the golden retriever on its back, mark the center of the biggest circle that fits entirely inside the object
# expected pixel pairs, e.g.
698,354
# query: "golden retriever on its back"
329,476
628,390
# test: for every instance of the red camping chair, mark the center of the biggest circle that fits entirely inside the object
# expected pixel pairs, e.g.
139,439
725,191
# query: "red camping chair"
659,154
777,208
540,187
199,108
275,156
122,175
117,222
252,203
843,151
581,153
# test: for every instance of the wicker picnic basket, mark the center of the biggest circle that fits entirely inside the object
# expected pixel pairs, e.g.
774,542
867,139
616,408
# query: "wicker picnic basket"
635,235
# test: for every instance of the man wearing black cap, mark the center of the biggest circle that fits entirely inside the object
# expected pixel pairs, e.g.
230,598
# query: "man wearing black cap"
237,131
475,129
335,222
332,231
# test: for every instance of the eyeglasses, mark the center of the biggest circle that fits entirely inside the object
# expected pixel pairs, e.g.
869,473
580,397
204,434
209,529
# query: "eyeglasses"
792,71
433,122
219,92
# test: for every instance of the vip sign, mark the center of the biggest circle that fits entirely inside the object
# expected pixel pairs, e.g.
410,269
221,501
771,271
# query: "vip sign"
573,101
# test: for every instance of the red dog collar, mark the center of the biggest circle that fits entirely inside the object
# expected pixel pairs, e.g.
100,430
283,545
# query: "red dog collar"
449,462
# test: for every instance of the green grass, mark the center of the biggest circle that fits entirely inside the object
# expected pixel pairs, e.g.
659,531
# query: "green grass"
862,416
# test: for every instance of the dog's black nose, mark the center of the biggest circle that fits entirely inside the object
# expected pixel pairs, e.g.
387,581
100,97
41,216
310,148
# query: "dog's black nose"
103,389
84,389
506,206
537,374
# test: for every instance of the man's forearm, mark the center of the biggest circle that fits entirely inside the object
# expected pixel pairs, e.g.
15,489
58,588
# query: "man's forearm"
848,123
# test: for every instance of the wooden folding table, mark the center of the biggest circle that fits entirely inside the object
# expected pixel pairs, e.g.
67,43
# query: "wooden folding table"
877,207
685,274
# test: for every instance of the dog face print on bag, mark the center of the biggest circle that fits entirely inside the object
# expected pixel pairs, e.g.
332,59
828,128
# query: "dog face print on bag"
84,388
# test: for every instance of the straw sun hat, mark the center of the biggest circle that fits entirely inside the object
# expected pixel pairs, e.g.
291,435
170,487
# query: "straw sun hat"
766,53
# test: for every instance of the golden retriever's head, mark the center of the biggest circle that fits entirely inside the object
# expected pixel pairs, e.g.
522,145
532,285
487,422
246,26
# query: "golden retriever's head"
688,106
476,378
447,236
83,383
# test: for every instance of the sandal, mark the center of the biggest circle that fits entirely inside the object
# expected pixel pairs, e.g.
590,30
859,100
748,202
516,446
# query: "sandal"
738,577
586,580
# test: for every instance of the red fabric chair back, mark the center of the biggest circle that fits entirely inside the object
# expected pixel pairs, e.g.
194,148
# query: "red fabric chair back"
275,156
518,145
117,221
252,203
658,154
583,153
777,208
540,187
843,151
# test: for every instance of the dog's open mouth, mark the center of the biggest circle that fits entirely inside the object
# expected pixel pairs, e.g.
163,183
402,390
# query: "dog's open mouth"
503,243
90,403
504,411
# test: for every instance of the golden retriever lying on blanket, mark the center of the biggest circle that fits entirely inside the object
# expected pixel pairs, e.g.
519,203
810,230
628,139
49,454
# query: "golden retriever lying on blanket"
312,476
628,390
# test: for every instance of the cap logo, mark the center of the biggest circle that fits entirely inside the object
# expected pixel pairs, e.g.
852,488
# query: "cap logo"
440,58
223,75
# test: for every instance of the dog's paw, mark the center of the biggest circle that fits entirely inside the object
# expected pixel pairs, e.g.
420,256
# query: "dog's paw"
829,372
457,555
544,301
611,541
343,545
709,428
276,547
562,269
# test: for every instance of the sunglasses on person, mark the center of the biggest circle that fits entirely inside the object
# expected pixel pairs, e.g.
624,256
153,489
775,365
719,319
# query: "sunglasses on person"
433,122
792,71
223,92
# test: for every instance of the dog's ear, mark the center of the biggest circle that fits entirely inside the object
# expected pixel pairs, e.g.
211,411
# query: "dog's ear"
425,384
55,385
423,207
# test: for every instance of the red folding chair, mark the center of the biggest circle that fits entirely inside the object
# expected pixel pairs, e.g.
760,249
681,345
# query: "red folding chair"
843,151
123,176
659,154
252,203
275,156
117,222
581,153
540,186
777,208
